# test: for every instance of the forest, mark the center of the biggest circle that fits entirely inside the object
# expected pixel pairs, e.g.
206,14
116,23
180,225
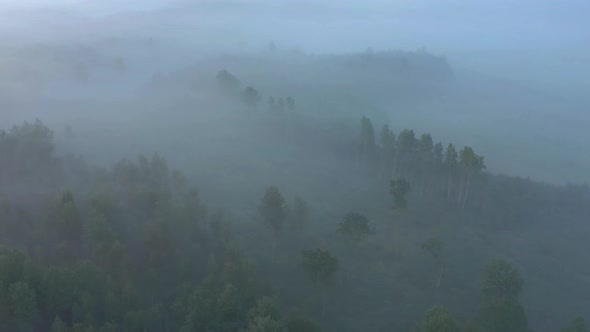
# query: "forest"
294,166
132,246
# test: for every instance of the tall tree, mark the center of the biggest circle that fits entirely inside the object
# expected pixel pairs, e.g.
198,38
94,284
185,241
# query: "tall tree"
405,148
321,267
228,83
438,319
451,164
23,306
367,139
425,147
299,214
577,325
68,226
290,102
502,284
438,154
387,140
470,163
355,227
272,211
426,160
399,189
265,317
251,97
272,104
434,247
280,105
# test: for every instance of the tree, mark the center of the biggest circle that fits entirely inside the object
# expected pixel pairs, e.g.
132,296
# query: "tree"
425,146
295,323
502,285
299,214
426,158
320,264
272,104
290,102
272,212
387,140
434,247
504,315
577,325
229,308
265,324
265,317
281,105
438,319
59,326
438,154
502,280
23,306
470,163
265,307
68,226
355,226
399,189
367,145
228,83
251,97
451,164
272,209
405,148
321,267
27,152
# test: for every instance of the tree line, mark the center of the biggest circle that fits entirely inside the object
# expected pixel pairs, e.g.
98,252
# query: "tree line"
133,248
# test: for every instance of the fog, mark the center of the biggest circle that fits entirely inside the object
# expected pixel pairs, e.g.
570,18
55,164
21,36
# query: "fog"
241,99
539,49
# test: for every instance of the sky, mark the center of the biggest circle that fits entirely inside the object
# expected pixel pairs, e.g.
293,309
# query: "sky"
532,40
339,25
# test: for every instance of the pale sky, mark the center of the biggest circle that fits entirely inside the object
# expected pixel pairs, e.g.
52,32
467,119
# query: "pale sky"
334,24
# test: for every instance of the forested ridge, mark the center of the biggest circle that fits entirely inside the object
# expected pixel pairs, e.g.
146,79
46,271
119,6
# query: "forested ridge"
133,247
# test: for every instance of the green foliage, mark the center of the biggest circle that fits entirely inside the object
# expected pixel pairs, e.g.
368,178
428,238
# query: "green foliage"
296,323
265,324
438,154
434,247
577,325
272,209
367,138
265,307
290,102
23,306
251,97
299,214
406,143
135,249
387,139
27,153
59,326
502,280
426,145
451,156
471,161
227,82
355,226
68,225
438,319
399,189
320,264
504,315
502,285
